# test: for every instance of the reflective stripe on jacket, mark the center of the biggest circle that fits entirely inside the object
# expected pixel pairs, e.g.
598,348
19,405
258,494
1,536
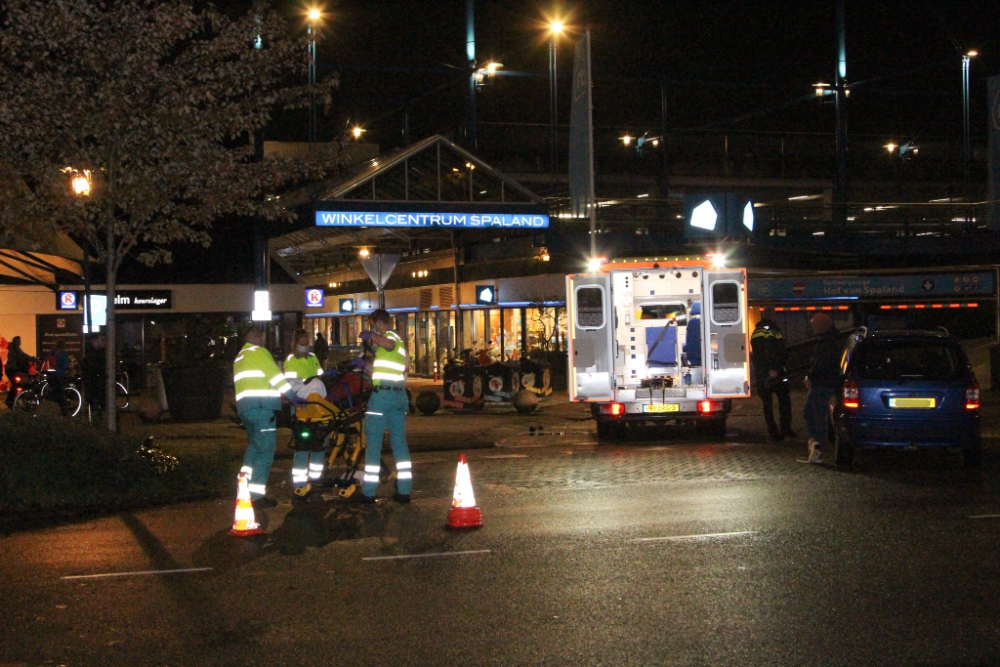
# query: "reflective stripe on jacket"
302,368
390,366
258,380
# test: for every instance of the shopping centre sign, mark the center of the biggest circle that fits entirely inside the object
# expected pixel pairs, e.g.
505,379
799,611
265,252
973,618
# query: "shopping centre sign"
462,220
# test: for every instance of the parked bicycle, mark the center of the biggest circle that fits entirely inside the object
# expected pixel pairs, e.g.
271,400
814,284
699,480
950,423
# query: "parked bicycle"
34,390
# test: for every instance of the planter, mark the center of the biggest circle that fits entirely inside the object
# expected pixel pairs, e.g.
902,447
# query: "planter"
195,394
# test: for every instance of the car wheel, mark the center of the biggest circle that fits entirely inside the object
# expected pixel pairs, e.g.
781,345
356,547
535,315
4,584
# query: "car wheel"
843,448
713,428
972,456
608,431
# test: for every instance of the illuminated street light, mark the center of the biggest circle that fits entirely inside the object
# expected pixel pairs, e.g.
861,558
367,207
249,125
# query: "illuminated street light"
891,147
966,140
357,131
81,184
364,252
315,14
627,139
556,28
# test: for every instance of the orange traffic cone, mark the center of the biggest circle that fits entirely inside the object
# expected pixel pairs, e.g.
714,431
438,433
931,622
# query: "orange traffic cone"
244,524
463,512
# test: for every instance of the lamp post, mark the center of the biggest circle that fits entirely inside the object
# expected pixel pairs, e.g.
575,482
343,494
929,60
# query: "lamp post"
966,140
555,29
314,16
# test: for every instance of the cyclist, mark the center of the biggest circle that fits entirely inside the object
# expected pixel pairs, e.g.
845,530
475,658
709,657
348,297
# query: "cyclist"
58,363
18,363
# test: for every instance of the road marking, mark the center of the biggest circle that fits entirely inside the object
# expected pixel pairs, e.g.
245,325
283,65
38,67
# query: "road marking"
437,555
506,456
694,537
144,573
985,516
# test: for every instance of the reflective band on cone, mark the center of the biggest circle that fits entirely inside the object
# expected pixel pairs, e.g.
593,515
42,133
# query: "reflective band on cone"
244,524
463,512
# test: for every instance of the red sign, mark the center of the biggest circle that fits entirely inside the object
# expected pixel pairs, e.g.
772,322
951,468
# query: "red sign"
798,288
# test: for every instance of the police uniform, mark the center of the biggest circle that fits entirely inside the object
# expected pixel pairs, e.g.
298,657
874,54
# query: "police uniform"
307,466
259,386
387,409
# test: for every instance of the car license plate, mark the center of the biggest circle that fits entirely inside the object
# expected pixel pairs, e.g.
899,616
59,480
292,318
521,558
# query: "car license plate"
912,403
662,407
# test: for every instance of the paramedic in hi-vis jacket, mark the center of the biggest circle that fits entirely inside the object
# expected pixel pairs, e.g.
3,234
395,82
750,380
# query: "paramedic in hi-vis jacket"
260,384
386,408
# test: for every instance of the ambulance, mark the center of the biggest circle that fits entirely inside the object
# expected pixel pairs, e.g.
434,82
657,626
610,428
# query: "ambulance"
659,340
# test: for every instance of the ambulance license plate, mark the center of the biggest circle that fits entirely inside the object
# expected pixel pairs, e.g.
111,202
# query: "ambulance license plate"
912,403
662,407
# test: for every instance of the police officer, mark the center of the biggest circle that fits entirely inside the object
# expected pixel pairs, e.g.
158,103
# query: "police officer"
386,408
769,360
307,463
259,387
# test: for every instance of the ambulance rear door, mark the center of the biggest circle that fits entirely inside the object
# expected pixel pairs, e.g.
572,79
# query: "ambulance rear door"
726,341
591,351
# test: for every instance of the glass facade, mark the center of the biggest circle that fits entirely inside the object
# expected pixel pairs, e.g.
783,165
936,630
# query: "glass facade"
492,334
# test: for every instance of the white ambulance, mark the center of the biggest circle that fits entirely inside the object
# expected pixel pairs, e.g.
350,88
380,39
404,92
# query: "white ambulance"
661,340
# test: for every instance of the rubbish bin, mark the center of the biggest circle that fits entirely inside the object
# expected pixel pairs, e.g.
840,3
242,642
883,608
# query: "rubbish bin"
463,387
536,377
502,382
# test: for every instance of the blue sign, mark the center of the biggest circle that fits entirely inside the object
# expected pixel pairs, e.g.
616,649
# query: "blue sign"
977,284
347,306
452,220
67,301
314,298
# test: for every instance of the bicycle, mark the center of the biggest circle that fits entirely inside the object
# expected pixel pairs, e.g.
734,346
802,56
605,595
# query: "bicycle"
35,391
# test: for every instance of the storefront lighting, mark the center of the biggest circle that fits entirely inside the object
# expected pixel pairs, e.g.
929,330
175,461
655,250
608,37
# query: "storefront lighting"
261,306
364,252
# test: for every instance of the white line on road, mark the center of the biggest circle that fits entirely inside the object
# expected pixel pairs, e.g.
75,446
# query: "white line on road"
144,573
506,456
694,537
444,553
985,516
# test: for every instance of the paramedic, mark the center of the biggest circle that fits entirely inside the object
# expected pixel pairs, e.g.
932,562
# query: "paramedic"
386,408
771,375
259,387
307,464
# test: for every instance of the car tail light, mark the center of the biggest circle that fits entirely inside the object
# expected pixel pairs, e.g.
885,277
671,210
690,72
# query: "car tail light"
852,396
972,395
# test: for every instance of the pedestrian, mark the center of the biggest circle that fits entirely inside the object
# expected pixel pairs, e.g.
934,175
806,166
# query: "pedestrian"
822,382
386,408
321,349
770,358
260,385
301,366
57,363
94,373
18,363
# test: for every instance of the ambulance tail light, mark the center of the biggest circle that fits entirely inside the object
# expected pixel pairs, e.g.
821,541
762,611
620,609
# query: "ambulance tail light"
852,395
708,407
613,409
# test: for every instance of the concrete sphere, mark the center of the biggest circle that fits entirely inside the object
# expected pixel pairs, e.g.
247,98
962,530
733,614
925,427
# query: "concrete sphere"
428,402
525,402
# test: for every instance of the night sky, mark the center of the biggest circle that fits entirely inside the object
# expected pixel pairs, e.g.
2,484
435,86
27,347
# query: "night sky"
733,65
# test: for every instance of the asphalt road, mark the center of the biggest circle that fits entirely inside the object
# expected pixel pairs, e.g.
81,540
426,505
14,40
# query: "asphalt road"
687,553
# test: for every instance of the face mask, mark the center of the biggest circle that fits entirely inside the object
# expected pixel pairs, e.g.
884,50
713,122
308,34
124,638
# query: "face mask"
301,349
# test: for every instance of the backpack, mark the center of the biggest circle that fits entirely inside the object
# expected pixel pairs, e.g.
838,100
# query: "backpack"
51,363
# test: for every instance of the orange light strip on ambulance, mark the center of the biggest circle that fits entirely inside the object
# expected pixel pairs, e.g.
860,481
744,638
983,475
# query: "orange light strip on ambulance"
918,306
795,309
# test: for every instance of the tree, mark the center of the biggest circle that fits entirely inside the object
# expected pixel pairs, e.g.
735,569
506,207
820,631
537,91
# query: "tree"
157,104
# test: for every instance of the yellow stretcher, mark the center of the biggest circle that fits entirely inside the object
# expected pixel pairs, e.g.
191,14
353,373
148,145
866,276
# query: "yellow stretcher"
321,425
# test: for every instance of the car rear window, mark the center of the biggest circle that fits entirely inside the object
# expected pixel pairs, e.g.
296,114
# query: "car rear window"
910,360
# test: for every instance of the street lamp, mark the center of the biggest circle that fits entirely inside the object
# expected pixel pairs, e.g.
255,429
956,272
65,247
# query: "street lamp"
966,140
357,131
555,29
314,15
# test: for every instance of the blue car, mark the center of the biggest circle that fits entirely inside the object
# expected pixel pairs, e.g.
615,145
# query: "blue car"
906,390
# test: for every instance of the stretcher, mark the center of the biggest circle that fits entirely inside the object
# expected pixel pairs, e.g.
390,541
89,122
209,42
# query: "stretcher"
335,424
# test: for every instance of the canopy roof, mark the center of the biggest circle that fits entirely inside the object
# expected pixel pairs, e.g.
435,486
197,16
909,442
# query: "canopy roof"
56,262
434,173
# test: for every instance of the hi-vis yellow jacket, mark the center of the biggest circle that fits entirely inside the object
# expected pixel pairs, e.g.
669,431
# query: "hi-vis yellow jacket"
389,366
259,382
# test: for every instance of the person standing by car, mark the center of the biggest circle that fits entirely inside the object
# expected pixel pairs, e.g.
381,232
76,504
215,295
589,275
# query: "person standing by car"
767,345
822,382
18,363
